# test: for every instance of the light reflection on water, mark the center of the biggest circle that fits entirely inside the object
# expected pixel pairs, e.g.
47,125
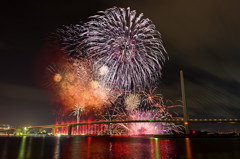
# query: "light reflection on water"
78,147
22,148
41,156
156,143
57,148
4,150
188,148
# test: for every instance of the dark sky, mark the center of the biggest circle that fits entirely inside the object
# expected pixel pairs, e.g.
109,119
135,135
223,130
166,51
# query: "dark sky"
201,37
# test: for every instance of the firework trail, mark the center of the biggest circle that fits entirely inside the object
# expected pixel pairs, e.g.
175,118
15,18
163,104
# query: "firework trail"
127,46
69,38
151,97
77,112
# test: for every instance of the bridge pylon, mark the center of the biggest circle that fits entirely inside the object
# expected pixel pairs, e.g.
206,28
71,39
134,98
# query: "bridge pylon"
185,111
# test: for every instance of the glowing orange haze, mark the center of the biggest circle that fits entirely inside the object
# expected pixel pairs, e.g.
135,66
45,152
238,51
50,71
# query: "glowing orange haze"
74,84
83,95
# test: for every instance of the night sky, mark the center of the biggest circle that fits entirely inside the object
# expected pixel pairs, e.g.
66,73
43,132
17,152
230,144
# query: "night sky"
201,38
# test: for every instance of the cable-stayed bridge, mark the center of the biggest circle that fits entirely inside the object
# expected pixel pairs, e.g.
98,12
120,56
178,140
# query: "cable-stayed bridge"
204,93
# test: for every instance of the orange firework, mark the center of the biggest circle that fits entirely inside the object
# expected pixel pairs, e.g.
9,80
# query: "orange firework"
73,84
57,77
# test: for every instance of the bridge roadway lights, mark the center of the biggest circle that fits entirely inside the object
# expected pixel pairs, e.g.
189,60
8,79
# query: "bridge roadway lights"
215,120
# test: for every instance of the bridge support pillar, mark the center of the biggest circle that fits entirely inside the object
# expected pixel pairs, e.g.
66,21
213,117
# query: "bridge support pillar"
54,131
40,130
185,112
109,131
69,130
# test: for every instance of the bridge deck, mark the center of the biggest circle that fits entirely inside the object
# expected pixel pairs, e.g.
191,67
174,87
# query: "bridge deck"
139,121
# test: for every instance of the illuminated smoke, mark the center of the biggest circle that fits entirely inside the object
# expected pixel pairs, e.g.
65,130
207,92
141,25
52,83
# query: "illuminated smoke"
74,84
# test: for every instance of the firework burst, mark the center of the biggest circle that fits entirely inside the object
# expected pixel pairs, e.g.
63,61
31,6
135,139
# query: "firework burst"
145,128
69,38
54,75
132,101
148,128
128,45
77,112
73,84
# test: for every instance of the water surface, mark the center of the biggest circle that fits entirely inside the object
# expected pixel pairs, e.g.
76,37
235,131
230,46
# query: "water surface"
80,147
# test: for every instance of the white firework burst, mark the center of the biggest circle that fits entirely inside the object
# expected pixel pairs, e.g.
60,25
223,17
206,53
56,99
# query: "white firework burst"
128,45
132,101
77,112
